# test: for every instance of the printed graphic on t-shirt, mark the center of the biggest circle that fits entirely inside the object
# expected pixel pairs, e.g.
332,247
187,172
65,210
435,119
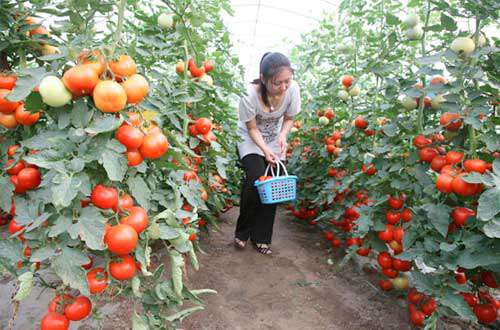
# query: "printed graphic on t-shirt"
268,127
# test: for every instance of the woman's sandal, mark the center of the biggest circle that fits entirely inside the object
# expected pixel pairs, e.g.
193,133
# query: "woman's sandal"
263,248
239,243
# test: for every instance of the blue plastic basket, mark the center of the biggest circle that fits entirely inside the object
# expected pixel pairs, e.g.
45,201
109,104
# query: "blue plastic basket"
278,189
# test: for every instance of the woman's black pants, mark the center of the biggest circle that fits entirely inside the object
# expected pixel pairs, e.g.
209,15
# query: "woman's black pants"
256,220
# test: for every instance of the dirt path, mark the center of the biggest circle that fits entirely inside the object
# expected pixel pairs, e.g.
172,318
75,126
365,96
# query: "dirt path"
294,288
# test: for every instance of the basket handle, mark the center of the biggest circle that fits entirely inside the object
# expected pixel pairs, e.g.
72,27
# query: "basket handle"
279,164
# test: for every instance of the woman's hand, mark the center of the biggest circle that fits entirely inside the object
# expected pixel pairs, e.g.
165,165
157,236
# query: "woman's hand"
270,156
282,143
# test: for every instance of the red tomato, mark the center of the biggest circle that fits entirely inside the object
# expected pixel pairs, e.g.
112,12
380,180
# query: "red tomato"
125,202
429,307
460,277
123,269
134,157
203,125
427,154
462,188
370,170
470,299
385,285
475,165
58,303
360,122
390,273
421,141
485,313
29,178
97,280
14,170
121,239
347,81
406,215
417,318
154,145
489,280
401,265
104,197
7,81
450,121
387,234
7,107
79,309
80,80
130,136
414,296
438,163
384,260
54,321
207,64
88,265
392,218
454,157
444,183
395,202
137,219
363,251
329,236
24,117
461,214
398,234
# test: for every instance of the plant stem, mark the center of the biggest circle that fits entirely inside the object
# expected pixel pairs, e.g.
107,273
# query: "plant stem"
119,27
472,132
420,118
186,120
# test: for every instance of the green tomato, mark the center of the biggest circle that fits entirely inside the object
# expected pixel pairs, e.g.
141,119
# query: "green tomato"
343,95
323,121
414,33
436,101
53,92
409,103
411,20
354,91
166,21
400,283
463,46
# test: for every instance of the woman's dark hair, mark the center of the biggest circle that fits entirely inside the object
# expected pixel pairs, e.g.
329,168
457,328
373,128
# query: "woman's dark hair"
270,65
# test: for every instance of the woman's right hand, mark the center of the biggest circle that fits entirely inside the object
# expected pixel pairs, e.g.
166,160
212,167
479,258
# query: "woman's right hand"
270,156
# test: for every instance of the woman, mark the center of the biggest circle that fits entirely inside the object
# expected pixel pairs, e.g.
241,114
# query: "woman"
265,118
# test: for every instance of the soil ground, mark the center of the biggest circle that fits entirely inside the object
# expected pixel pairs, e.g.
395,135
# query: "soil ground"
294,288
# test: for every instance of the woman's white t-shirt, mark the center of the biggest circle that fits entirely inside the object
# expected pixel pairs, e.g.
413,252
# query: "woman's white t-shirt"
268,123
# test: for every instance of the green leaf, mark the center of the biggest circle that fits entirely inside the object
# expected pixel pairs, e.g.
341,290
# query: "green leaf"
90,228
43,253
139,190
25,285
179,316
391,19
33,102
81,114
458,305
472,259
6,195
492,228
447,22
27,79
103,123
167,232
489,204
11,250
221,164
68,266
64,192
115,165
439,217
139,322
63,224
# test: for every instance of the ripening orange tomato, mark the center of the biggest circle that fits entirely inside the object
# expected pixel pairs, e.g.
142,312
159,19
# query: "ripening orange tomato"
80,80
94,59
136,87
109,96
5,105
26,118
124,67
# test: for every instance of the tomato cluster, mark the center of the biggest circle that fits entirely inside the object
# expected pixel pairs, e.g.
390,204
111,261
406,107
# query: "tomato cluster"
12,113
24,176
202,128
64,308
